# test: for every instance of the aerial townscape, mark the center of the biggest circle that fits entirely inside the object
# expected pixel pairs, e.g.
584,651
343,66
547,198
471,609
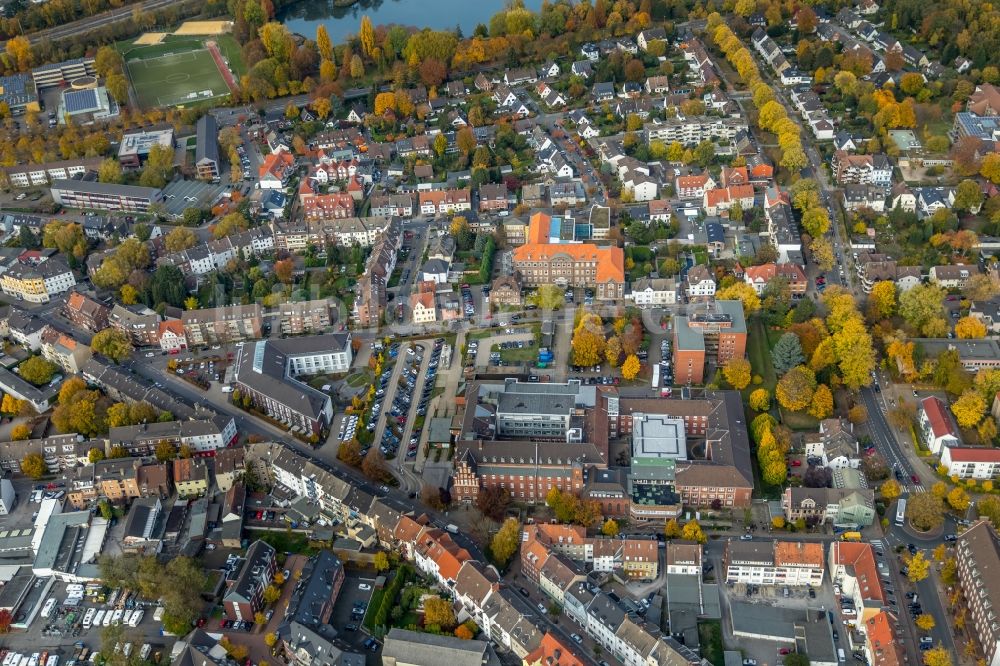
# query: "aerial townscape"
511,333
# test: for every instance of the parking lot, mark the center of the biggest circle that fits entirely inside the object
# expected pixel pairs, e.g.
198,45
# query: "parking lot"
345,614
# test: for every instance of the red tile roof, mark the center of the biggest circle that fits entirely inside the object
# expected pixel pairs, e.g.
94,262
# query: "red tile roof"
973,454
860,557
938,416
551,652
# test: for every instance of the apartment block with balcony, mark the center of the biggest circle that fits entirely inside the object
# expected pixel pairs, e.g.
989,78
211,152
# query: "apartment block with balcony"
978,557
246,594
785,563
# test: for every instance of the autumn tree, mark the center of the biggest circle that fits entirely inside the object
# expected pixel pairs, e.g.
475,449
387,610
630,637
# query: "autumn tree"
110,171
113,343
588,341
380,561
631,367
969,408
610,528
493,501
230,224
180,238
374,466
925,510
821,405
33,465
20,432
891,490
969,328
882,300
919,567
438,612
506,541
795,390
367,37
937,656
921,305
737,372
671,529
37,370
740,291
760,400
692,532
958,499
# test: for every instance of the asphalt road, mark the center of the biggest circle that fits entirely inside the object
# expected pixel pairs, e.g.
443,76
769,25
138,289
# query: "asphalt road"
84,25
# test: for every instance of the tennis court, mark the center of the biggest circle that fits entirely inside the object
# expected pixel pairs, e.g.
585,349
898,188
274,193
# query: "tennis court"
172,74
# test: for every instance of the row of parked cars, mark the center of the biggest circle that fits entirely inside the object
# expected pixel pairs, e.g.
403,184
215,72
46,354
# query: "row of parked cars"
348,427
470,307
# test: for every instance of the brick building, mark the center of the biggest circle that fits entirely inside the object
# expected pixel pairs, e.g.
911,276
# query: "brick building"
715,332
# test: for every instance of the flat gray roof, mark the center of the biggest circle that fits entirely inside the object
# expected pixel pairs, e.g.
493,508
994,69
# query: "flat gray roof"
94,187
658,436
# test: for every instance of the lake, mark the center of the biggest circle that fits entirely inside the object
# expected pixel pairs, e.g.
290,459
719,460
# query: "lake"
304,16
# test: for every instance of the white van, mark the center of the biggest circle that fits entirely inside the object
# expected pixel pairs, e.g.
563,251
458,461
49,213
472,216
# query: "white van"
88,618
99,618
136,618
49,605
107,618
841,657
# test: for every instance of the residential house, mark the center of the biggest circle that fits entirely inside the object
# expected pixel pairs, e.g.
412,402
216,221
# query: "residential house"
936,426
654,292
759,277
953,276
191,477
774,563
85,312
700,283
245,596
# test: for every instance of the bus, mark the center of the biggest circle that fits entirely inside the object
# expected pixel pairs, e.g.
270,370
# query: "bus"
900,511
656,377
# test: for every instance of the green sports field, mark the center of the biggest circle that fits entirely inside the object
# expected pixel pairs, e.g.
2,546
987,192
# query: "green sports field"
174,73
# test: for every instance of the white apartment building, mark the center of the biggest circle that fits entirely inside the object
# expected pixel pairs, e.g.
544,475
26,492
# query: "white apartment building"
784,563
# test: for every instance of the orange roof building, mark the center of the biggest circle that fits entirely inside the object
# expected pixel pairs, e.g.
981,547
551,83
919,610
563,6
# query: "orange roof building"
336,206
551,652
437,555
881,641
569,264
853,565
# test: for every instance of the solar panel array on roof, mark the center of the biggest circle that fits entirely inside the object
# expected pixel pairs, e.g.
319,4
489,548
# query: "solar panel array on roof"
81,101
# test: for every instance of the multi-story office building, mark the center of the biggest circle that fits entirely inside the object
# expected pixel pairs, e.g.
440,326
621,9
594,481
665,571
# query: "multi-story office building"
135,146
714,331
75,193
266,373
544,259
538,411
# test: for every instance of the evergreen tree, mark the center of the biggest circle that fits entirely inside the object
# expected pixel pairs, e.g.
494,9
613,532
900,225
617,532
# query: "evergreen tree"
787,353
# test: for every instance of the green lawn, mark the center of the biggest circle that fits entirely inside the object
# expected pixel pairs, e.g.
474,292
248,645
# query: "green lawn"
174,73
760,353
710,638
230,48
284,542
799,420
373,605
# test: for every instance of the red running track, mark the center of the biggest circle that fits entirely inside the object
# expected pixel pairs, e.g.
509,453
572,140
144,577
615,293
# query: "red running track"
221,64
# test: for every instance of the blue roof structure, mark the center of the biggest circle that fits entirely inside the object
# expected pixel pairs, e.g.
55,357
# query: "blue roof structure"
81,101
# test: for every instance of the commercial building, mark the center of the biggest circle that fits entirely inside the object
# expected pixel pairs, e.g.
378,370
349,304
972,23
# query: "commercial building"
135,146
245,595
540,260
266,371
37,283
206,156
18,92
225,325
973,354
79,193
765,562
61,73
715,332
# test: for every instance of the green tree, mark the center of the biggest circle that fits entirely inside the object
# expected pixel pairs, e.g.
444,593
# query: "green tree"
159,167
787,353
968,196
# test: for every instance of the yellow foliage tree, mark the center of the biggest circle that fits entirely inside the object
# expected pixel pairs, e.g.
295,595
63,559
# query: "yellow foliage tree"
958,499
737,372
692,532
969,328
969,408
631,367
822,402
740,291
891,490
795,389
760,400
